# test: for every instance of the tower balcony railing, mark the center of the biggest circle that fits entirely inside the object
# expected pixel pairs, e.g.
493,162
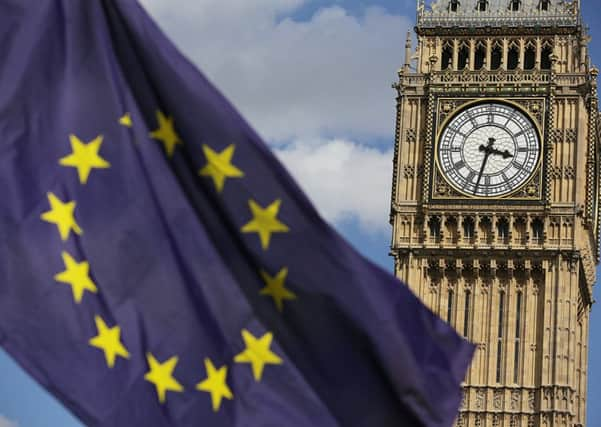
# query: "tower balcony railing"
488,76
495,76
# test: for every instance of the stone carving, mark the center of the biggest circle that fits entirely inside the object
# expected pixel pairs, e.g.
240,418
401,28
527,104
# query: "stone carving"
480,398
536,108
410,135
570,136
516,396
419,172
496,420
555,172
556,135
498,399
531,397
568,172
530,420
408,171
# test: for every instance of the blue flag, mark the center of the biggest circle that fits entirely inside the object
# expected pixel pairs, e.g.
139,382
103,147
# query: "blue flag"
159,267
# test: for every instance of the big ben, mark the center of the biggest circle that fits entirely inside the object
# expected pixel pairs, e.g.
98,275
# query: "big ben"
495,198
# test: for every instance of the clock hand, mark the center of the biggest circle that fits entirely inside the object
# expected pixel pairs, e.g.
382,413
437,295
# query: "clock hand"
488,149
506,154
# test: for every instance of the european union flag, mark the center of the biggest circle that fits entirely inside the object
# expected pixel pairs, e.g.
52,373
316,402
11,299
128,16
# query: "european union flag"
159,267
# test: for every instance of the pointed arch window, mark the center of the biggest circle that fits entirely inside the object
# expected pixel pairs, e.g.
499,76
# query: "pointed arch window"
479,56
503,230
434,225
518,336
468,228
530,57
463,56
450,306
514,5
466,314
544,5
500,335
545,58
537,230
447,56
454,5
482,6
513,57
496,56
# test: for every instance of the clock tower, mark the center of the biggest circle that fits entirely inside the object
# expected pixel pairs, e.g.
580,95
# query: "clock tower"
495,198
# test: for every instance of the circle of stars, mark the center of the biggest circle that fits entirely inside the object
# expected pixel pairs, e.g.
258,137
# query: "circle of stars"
85,158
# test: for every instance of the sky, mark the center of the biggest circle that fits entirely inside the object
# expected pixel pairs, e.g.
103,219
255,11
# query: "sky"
314,78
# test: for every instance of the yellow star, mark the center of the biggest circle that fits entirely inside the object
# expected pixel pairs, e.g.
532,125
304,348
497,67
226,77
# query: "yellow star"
109,341
77,275
84,157
161,375
264,222
257,353
166,133
215,384
276,288
125,120
219,166
61,214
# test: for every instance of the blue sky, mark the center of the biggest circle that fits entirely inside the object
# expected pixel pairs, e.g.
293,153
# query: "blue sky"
313,77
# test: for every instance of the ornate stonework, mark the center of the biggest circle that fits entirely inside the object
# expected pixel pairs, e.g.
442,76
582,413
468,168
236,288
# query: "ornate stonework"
514,274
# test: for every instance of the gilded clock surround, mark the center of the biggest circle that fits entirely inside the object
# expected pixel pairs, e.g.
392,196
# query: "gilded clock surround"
514,275
449,108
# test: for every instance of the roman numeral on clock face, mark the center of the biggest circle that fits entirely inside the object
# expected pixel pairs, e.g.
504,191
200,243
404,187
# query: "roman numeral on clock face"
517,165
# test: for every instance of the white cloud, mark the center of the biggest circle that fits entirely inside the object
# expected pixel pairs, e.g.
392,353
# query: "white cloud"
329,75
5,422
309,87
344,179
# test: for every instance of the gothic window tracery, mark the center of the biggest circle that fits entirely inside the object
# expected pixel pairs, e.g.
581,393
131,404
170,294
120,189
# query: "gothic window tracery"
468,229
485,230
466,314
537,230
434,225
479,56
530,56
449,306
518,315
496,56
451,229
547,51
500,335
447,55
520,229
463,56
503,230
513,56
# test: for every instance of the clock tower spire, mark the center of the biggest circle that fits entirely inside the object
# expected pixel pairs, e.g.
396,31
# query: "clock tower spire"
495,198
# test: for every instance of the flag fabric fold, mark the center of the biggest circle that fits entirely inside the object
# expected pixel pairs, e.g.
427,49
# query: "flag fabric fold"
159,267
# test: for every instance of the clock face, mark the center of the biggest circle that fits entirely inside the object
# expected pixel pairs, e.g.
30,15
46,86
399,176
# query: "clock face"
488,150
